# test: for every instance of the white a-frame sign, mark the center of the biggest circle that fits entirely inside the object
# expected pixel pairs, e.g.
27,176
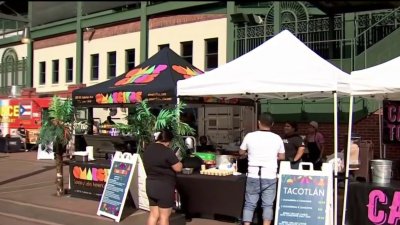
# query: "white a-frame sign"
304,196
114,195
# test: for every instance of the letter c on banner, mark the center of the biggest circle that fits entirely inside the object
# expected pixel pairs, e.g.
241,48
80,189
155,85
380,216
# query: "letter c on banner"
374,215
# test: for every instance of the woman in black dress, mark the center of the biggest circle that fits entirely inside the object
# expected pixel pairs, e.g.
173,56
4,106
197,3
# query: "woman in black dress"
161,165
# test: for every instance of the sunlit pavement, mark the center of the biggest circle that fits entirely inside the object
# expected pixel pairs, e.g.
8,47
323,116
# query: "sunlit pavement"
27,197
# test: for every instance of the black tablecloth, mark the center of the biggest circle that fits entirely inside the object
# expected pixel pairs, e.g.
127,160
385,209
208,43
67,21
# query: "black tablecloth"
87,178
212,195
368,203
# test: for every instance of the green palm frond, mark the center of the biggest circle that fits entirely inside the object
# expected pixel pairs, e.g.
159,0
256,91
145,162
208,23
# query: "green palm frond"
143,124
57,126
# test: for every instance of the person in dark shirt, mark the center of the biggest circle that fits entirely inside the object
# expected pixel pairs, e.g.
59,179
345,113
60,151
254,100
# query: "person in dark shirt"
294,144
161,166
109,121
204,147
21,132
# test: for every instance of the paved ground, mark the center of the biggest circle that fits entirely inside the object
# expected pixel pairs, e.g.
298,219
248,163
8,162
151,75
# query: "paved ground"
27,197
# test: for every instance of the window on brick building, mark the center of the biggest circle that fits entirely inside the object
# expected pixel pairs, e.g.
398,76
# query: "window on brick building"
211,54
129,59
56,73
112,64
94,66
187,51
42,73
69,62
162,46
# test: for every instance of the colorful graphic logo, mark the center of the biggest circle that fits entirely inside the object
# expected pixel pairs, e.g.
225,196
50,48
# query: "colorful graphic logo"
186,71
307,180
92,174
141,75
119,97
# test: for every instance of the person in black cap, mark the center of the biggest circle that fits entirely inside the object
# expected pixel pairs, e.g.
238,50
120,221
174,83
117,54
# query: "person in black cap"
315,143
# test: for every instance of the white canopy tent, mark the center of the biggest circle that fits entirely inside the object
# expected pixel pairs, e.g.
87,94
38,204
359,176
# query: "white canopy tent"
281,68
378,82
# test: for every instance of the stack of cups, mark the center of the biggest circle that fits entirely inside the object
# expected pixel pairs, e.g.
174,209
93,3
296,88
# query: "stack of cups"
89,150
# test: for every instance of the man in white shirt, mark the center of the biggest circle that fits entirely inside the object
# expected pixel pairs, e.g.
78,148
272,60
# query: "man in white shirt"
264,149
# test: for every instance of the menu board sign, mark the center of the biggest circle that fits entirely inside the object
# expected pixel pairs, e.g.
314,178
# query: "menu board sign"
303,199
117,186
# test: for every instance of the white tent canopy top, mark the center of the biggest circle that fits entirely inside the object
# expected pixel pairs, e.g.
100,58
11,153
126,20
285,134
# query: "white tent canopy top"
281,68
380,81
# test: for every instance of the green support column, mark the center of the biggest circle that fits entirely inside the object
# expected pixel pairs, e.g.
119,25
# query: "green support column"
29,57
144,32
277,17
349,34
230,36
79,44
331,34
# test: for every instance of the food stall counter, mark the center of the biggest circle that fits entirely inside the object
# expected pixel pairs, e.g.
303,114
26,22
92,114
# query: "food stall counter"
211,195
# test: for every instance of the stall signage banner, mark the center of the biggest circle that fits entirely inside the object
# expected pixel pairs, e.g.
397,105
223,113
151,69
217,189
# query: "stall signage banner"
88,180
115,192
383,208
391,122
303,198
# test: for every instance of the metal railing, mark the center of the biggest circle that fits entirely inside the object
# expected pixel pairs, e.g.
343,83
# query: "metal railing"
384,24
315,33
312,30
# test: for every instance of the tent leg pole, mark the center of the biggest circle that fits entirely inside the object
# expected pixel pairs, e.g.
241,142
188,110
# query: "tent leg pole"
380,129
335,148
255,115
347,159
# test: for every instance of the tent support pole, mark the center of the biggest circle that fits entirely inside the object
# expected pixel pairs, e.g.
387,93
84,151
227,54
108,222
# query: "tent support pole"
347,161
335,148
255,114
380,129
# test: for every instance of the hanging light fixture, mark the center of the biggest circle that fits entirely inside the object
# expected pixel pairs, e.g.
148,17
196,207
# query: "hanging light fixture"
26,36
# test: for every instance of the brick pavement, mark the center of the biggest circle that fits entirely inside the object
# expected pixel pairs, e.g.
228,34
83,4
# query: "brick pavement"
27,196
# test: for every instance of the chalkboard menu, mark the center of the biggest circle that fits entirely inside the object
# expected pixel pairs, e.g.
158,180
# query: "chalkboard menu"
117,186
304,197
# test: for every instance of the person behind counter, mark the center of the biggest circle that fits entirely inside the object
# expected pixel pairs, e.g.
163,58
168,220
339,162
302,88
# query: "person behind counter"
315,144
161,166
204,147
294,144
109,121
264,149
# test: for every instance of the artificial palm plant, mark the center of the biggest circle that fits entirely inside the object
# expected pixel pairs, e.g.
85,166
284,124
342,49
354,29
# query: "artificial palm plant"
142,124
57,130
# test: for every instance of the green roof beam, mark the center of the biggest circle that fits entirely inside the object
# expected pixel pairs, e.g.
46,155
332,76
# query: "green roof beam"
66,28
175,5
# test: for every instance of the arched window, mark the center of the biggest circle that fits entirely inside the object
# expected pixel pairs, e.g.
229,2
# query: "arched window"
293,15
12,69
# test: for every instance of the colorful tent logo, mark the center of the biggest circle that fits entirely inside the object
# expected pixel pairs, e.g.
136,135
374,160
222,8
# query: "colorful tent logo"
141,75
186,71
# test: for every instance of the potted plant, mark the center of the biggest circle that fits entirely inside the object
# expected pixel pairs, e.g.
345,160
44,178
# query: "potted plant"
57,130
142,124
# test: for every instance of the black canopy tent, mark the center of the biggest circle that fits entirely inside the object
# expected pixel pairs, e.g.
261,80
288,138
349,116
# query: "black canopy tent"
154,80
